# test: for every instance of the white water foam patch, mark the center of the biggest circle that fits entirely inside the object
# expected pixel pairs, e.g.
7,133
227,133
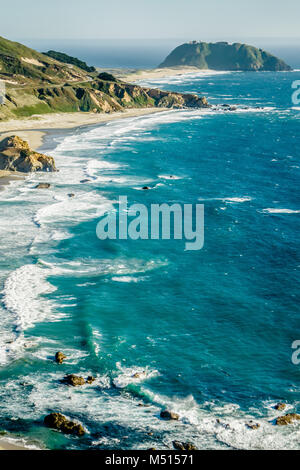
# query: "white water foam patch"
100,267
170,177
280,211
126,279
181,79
228,200
84,206
24,307
93,166
132,375
22,296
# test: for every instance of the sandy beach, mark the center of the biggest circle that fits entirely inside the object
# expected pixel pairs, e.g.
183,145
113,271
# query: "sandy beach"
34,128
6,445
136,75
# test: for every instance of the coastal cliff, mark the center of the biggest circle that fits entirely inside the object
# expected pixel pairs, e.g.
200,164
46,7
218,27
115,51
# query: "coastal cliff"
224,56
38,84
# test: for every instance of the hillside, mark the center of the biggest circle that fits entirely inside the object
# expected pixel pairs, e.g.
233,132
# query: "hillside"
38,84
67,59
20,65
224,56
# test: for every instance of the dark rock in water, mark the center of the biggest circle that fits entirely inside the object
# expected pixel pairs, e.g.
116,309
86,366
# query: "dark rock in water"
280,406
74,380
165,414
85,181
61,423
71,195
252,425
287,419
90,379
225,425
43,186
184,445
59,357
136,376
16,155
146,187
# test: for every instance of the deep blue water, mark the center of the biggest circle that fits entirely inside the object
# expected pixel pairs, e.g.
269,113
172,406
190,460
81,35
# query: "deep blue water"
209,331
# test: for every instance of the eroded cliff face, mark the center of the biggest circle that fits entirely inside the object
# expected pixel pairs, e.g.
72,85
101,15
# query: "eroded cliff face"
102,95
16,155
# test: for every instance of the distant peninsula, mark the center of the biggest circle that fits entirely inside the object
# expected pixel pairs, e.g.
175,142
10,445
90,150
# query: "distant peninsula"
224,56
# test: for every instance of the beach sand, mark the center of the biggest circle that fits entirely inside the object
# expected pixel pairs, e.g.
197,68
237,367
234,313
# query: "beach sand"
135,75
34,129
6,445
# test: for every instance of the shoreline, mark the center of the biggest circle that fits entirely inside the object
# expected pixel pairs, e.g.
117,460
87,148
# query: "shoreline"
6,444
35,129
132,76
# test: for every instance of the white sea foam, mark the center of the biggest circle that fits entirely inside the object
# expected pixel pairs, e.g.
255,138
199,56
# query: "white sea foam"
125,279
170,177
25,303
100,267
228,200
280,211
22,296
132,375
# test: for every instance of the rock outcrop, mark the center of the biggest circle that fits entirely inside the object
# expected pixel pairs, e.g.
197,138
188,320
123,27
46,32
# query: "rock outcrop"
287,419
60,357
16,155
74,380
90,379
280,406
184,445
252,425
170,415
224,56
61,423
43,186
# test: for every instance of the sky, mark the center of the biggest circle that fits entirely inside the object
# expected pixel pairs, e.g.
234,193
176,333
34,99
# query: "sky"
159,19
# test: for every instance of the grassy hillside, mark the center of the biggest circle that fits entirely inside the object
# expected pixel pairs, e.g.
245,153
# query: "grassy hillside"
38,84
224,56
67,59
20,65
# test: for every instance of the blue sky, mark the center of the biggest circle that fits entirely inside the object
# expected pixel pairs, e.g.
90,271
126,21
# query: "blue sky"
189,19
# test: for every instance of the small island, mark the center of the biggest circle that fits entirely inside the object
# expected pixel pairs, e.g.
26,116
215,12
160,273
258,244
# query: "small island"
224,56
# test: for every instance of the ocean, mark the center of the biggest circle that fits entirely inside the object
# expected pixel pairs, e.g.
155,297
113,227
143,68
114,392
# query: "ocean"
207,334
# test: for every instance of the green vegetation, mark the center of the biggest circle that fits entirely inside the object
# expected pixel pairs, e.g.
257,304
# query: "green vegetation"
224,56
39,84
67,59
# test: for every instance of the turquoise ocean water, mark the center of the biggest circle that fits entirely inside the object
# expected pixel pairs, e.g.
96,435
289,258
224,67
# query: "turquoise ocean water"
209,332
